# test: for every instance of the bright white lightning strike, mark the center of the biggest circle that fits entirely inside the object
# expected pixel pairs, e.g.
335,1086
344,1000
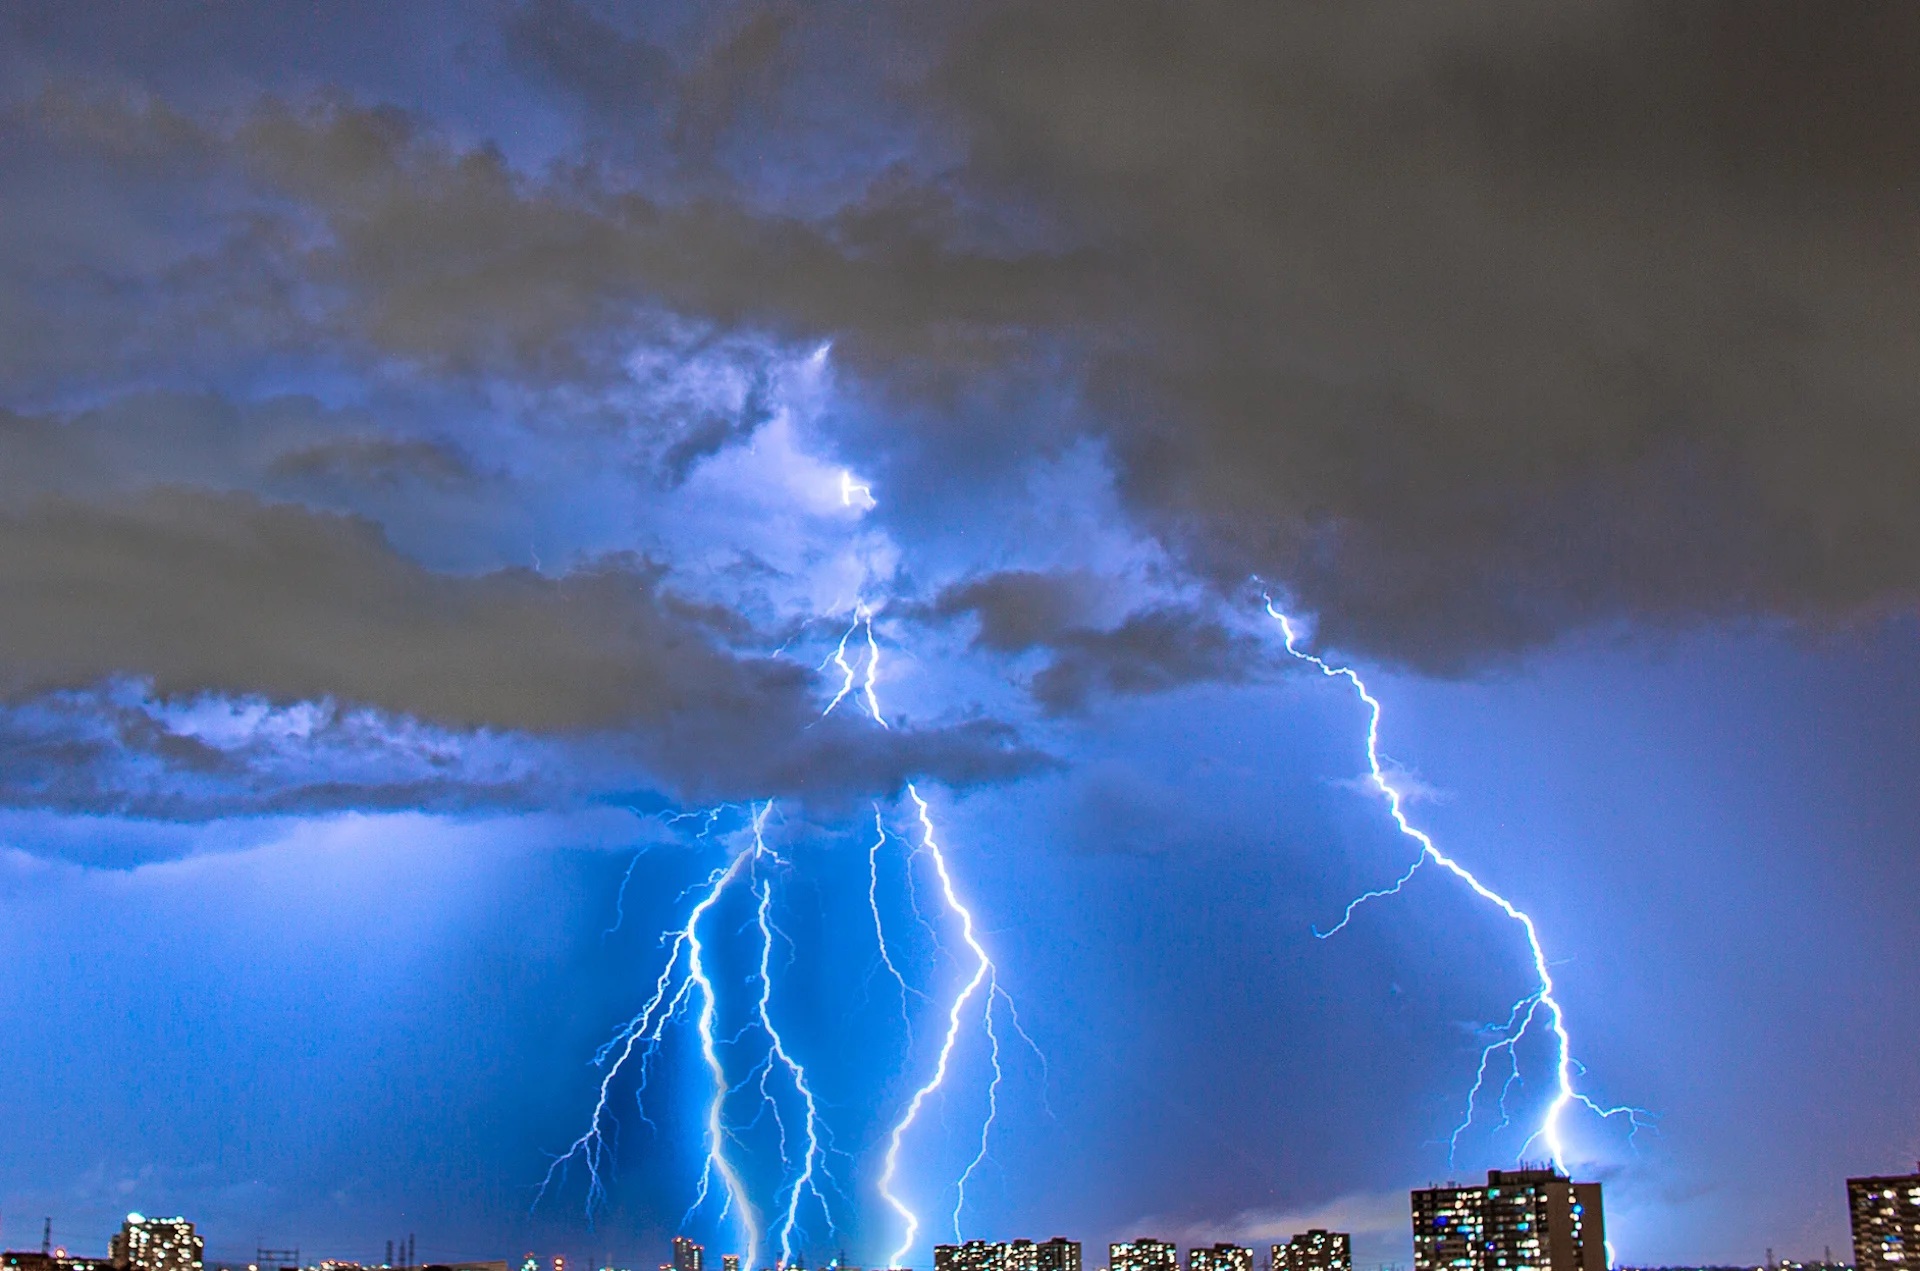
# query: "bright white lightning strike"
879,928
850,490
810,1161
648,1027
1525,1011
716,1130
686,975
982,972
862,622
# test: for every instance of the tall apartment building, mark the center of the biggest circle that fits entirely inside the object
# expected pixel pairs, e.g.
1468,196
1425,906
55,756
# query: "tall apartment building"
1886,1222
1314,1250
1057,1254
1522,1220
729,1262
688,1255
974,1255
1220,1257
156,1244
1143,1255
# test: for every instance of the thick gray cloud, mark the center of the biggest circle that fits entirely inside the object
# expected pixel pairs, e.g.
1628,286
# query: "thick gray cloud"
1150,651
1020,608
1471,325
198,594
225,593
1465,326
1468,325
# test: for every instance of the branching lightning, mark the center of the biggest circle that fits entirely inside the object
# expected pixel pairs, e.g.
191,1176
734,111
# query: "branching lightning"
716,1130
879,927
982,973
1529,1007
805,1183
862,622
644,1032
685,988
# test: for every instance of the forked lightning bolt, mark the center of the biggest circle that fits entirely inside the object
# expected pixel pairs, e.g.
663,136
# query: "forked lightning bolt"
956,1011
1529,1007
879,927
862,621
982,977
806,1183
685,978
716,1128
683,975
684,985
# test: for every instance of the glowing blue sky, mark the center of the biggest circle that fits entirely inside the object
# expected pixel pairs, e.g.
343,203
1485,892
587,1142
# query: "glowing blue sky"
435,451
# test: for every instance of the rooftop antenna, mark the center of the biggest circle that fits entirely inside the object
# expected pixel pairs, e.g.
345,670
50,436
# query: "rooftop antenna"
46,1237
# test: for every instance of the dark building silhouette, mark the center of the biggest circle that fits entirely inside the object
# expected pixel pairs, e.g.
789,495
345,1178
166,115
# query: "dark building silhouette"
1314,1250
1522,1220
688,1256
1886,1222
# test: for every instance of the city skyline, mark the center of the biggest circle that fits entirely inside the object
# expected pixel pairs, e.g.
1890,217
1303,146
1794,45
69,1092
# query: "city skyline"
1533,1218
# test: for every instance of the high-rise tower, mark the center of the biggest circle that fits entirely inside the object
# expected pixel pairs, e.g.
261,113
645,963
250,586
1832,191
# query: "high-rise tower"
1314,1250
1886,1221
1522,1220
156,1244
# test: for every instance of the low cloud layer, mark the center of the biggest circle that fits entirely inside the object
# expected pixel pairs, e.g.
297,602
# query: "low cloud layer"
225,593
196,594
1152,650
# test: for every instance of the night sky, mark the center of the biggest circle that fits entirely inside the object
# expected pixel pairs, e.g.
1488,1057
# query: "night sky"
443,445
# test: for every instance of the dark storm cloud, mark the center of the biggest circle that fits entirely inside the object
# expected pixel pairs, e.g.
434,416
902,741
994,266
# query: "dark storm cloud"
635,84
1474,325
145,439
226,593
375,461
1018,609
1150,651
199,594
1465,326
113,752
362,232
1470,325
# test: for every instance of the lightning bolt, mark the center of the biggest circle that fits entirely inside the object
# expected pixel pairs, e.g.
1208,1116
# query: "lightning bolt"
879,928
777,1050
644,1032
982,975
851,490
684,981
993,1108
862,622
1565,1095
716,1131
